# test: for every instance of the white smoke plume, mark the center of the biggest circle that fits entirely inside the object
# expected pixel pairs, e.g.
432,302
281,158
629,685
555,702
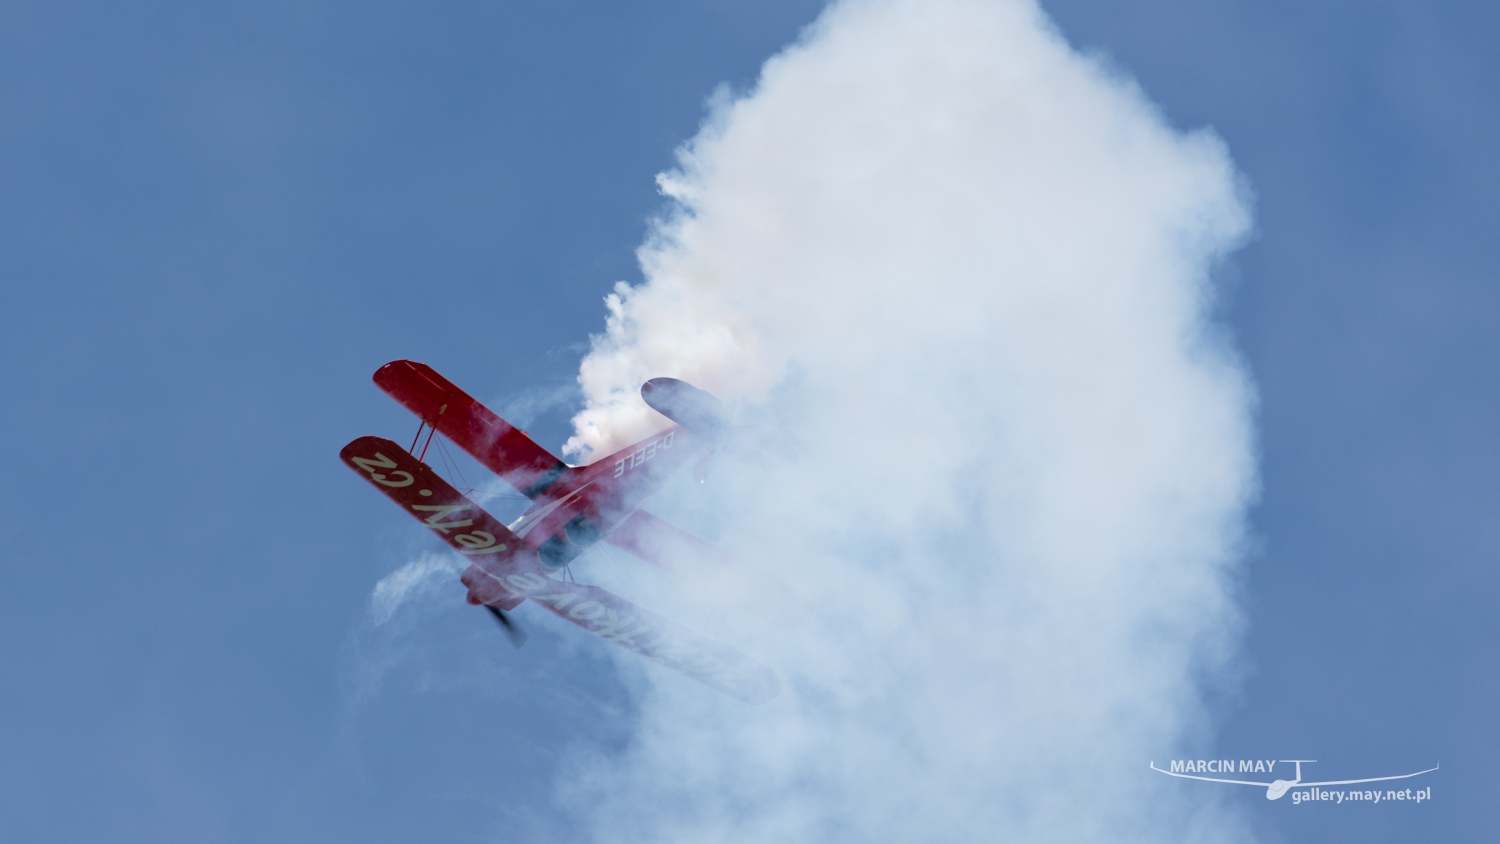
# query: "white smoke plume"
963,272
420,578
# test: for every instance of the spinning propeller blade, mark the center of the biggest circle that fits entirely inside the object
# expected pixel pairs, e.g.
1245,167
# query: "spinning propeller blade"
517,636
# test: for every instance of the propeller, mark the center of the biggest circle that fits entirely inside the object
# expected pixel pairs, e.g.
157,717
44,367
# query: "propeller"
516,634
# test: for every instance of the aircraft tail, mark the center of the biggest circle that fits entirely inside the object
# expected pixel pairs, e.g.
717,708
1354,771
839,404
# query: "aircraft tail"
503,448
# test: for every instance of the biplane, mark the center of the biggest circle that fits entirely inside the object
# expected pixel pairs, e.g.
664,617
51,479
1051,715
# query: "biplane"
572,508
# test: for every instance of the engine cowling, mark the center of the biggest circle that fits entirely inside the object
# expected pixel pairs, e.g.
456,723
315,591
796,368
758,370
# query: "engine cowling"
483,589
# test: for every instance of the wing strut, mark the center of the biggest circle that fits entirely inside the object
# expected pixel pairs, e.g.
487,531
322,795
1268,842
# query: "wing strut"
501,447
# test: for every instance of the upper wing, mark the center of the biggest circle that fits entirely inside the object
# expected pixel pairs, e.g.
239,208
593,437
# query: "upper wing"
500,446
669,547
418,490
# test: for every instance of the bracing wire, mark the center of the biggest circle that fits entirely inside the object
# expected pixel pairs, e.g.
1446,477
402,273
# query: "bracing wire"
449,460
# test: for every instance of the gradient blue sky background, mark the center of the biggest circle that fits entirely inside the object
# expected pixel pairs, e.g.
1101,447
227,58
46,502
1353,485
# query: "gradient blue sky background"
218,220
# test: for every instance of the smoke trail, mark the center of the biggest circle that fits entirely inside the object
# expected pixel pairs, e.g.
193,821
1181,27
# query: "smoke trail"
964,272
419,578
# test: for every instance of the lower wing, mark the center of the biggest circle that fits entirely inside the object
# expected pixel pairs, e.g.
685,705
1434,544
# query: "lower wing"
617,620
1371,779
506,571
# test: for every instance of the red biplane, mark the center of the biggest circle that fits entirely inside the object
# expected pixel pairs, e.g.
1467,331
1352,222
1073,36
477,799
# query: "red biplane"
574,507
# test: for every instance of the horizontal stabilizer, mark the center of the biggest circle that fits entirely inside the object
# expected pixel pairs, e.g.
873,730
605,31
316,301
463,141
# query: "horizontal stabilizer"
698,411
709,567
617,620
501,447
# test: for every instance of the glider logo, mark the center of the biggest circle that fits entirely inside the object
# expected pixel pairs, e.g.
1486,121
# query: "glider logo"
1301,791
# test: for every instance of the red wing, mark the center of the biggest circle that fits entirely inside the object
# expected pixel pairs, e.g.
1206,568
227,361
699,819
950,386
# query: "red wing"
673,549
500,446
617,620
506,571
418,490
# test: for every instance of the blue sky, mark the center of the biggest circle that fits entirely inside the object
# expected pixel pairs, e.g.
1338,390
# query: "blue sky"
1362,308
218,221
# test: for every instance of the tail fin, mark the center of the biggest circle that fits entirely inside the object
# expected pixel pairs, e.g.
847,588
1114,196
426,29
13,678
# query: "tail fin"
501,447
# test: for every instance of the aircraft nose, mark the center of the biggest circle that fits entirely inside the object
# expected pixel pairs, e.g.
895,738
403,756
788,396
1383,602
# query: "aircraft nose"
1277,789
483,589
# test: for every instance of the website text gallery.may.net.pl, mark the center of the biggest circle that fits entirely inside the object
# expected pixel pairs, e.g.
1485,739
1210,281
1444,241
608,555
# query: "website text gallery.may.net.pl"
1221,771
1306,795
